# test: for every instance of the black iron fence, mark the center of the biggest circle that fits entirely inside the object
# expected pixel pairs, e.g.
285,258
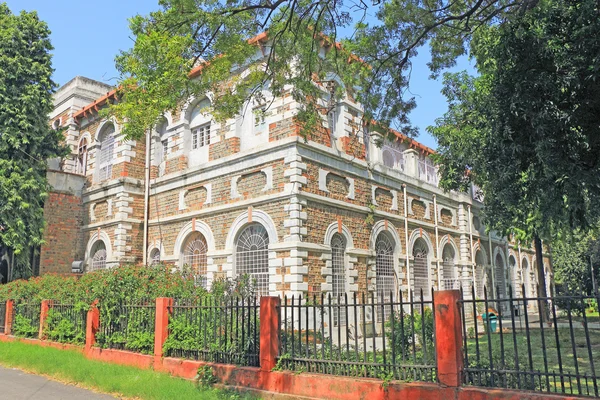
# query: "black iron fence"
547,344
65,323
128,327
2,316
26,319
216,330
386,338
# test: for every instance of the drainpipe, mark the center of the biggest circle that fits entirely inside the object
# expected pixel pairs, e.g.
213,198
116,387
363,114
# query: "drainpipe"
437,242
492,264
472,252
522,285
146,197
406,237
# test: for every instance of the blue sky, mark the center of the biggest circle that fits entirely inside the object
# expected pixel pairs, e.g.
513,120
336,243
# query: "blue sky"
87,35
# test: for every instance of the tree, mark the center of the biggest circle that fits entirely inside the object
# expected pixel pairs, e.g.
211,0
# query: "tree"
26,139
527,129
573,255
374,61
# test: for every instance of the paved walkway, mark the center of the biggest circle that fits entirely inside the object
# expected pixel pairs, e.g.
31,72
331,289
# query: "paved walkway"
18,385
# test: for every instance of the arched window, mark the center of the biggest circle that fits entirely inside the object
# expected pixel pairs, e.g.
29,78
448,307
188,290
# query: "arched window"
500,288
200,125
420,268
107,147
450,273
384,271
252,256
514,280
194,257
82,154
482,278
98,256
161,147
388,159
338,271
155,257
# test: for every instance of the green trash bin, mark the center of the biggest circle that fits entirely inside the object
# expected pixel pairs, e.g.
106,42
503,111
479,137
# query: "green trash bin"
493,321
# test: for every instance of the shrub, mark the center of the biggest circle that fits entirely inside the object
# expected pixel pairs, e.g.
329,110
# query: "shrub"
408,331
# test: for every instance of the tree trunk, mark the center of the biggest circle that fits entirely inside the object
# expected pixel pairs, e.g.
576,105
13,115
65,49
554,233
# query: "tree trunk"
541,292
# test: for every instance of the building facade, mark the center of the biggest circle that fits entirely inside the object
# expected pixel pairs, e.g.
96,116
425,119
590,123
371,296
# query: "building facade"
329,212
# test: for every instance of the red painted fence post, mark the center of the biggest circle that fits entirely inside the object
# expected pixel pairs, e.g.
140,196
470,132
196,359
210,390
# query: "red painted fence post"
161,327
10,304
449,337
46,304
269,332
92,326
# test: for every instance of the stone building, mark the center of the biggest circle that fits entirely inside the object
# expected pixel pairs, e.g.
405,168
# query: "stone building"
329,213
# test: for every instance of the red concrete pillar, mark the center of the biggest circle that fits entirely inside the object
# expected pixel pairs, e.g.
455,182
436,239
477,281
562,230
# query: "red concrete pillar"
449,338
10,304
92,326
46,304
269,332
161,327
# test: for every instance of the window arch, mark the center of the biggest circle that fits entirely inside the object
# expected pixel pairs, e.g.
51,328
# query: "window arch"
200,124
107,147
252,256
161,147
421,268
450,274
155,257
98,252
82,156
482,278
500,288
513,283
194,257
338,272
384,271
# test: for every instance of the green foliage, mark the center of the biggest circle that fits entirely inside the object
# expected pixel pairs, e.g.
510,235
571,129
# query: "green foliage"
128,327
24,327
121,381
206,376
66,327
26,138
571,254
408,331
526,129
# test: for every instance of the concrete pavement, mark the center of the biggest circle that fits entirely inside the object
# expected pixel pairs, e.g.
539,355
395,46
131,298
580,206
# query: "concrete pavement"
18,385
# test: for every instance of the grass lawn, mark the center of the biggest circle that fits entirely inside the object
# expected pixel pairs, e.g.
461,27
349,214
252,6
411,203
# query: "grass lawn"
539,348
72,367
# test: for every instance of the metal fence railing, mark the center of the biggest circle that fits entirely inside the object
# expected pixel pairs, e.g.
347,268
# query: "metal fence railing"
215,330
2,316
128,327
66,323
546,344
26,319
384,338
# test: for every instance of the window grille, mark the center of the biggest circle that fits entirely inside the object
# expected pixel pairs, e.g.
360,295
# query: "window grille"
427,171
393,157
107,147
252,256
451,281
338,271
194,256
420,268
201,136
500,278
98,257
82,157
384,273
155,257
165,148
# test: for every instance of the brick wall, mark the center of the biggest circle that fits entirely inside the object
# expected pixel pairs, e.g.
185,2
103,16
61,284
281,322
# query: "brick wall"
63,237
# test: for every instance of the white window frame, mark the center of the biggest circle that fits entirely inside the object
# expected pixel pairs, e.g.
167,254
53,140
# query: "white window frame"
252,256
384,273
82,156
106,153
201,136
